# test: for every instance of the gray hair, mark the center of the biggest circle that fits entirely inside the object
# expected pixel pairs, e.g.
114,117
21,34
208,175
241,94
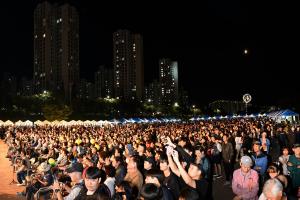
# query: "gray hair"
274,186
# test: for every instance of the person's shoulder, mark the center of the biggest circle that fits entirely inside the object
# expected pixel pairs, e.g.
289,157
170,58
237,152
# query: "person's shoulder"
237,171
201,182
253,172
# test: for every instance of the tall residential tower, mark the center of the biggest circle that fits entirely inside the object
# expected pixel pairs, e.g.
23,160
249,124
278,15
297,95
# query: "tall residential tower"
128,65
56,48
168,80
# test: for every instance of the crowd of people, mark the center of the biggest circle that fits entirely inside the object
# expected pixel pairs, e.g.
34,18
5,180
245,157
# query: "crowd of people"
258,157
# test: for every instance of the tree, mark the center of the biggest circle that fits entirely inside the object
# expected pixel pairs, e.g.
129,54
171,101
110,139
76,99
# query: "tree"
56,112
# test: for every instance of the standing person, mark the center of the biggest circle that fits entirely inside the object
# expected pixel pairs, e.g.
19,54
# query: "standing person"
297,135
193,177
156,177
149,163
216,157
171,181
227,155
283,159
265,143
201,158
260,159
117,163
238,146
293,166
274,171
134,176
245,181
282,137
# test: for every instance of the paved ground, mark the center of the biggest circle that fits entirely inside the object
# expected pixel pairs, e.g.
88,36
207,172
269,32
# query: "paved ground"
8,192
221,192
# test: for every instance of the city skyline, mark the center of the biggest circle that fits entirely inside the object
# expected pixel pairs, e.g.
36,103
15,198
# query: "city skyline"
208,43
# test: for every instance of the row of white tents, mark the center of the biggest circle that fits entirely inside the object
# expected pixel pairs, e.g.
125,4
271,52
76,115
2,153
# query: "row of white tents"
277,116
54,123
87,122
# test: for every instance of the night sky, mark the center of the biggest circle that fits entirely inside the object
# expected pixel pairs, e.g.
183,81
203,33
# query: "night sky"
207,39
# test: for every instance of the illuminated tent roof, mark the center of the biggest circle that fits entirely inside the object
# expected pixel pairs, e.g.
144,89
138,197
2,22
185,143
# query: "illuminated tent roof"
283,113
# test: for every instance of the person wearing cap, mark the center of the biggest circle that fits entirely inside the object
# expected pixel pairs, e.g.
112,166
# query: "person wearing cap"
293,166
75,172
245,183
260,159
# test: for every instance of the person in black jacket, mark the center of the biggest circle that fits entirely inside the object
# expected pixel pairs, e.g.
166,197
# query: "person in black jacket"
94,187
156,177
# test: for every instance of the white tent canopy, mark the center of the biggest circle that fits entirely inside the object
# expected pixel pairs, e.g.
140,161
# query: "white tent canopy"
283,115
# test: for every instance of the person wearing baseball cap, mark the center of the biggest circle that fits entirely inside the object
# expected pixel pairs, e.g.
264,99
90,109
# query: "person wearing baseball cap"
245,183
75,167
75,172
259,158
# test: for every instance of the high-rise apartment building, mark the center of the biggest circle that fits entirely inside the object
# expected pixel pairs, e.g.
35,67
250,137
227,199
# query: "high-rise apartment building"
153,93
168,80
8,85
128,65
138,65
56,48
25,88
85,90
104,83
44,64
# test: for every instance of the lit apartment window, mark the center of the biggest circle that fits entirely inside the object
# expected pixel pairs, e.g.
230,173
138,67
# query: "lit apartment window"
122,41
123,58
44,35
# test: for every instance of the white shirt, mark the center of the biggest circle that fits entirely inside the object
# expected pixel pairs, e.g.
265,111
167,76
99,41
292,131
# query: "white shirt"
110,183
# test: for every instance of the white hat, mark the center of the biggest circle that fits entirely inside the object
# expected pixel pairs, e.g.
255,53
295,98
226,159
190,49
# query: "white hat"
44,167
246,160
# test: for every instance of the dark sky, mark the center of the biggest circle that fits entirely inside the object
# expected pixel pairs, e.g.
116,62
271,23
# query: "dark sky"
207,39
